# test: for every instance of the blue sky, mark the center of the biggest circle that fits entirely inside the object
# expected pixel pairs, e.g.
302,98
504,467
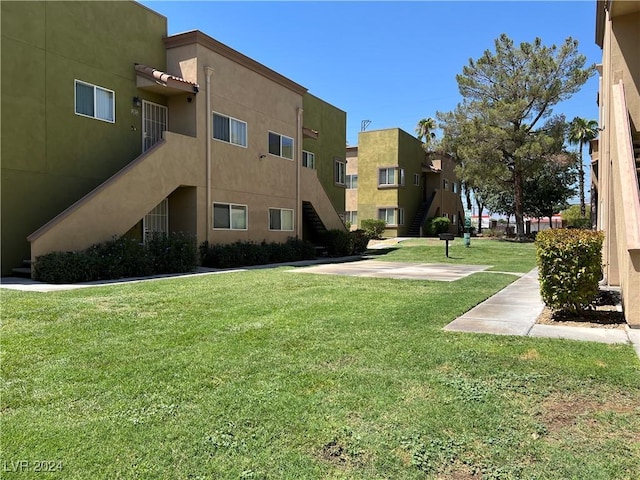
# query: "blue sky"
392,63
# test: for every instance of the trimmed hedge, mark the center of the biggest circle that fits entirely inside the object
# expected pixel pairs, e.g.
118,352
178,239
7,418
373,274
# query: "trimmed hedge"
242,254
570,267
436,225
340,243
374,228
119,258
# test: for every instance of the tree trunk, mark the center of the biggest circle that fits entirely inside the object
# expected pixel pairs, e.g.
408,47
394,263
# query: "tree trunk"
480,209
518,203
583,210
551,221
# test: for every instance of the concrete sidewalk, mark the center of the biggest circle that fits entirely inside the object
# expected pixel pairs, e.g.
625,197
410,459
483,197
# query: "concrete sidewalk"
515,309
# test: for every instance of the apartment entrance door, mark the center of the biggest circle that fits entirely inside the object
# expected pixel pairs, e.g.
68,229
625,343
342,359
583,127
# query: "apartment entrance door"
154,122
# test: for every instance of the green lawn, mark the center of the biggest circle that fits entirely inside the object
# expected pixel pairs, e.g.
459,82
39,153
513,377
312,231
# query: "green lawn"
271,374
505,256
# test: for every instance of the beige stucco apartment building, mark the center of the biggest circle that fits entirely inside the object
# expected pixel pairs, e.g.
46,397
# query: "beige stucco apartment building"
126,133
390,177
616,153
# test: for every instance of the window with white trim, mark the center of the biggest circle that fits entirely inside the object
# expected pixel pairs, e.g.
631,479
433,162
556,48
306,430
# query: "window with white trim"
229,129
391,216
352,181
95,102
281,219
352,217
416,179
228,216
391,177
280,145
308,159
340,171
454,187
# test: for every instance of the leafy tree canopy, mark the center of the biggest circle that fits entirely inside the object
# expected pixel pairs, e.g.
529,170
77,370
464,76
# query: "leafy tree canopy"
504,130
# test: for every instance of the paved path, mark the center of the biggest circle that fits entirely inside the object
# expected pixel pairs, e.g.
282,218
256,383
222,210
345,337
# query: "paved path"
396,270
515,309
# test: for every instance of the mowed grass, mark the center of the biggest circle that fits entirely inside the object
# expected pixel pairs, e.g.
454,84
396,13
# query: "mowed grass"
502,255
274,374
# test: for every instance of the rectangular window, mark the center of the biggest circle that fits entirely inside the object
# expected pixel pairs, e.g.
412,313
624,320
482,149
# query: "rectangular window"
95,102
352,181
454,187
280,145
340,171
393,176
229,217
445,183
391,216
416,179
352,218
308,159
230,130
281,219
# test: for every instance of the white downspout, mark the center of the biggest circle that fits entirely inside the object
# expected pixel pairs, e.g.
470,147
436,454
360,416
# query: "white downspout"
208,72
298,161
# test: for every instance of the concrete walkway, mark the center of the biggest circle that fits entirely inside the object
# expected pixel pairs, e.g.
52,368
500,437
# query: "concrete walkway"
515,309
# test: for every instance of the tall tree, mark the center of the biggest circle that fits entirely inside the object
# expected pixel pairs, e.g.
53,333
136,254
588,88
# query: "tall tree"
581,132
549,191
503,129
425,131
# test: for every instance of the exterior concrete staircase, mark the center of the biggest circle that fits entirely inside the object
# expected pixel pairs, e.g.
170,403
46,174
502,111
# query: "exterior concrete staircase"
421,217
138,188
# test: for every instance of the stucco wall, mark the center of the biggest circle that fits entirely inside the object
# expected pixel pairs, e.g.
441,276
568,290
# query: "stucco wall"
51,157
331,124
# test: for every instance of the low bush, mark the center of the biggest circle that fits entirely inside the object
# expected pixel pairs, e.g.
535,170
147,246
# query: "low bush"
119,258
437,225
569,263
340,243
373,227
242,254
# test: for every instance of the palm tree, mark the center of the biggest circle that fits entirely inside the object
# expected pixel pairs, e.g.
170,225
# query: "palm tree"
424,130
581,132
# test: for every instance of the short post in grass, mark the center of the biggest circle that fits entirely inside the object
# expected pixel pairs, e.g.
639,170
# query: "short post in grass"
467,232
446,237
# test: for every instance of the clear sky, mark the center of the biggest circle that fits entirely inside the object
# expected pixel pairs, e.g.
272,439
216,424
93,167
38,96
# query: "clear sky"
392,63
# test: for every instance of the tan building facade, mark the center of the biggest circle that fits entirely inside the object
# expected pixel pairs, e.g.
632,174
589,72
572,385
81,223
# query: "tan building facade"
217,144
616,153
390,177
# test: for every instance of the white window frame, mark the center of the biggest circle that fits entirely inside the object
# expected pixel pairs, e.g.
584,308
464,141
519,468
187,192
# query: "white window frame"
308,159
399,177
230,206
351,180
454,187
231,121
280,146
339,171
351,216
398,212
95,89
282,210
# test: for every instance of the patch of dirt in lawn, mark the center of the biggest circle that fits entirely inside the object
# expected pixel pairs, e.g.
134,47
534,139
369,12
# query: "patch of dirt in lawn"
604,313
562,411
